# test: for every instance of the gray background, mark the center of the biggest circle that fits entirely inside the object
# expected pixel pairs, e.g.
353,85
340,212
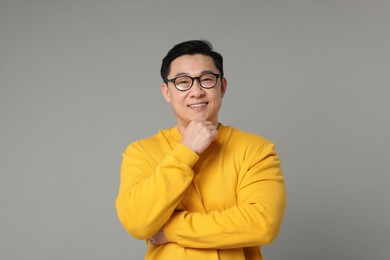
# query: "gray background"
80,80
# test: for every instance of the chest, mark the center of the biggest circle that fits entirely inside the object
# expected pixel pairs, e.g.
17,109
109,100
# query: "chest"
215,181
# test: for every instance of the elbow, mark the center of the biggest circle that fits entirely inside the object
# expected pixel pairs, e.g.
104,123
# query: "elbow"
269,226
268,238
134,225
268,233
138,232
266,230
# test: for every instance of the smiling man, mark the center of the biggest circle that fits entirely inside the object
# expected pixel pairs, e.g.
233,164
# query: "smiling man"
200,190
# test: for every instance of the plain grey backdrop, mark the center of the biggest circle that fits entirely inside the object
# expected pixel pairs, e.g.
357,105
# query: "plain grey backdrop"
80,81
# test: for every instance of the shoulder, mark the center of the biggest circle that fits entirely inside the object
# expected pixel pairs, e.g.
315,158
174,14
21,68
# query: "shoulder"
150,143
239,137
247,148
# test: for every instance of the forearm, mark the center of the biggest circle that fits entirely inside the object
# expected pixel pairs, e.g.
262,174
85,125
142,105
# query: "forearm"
246,225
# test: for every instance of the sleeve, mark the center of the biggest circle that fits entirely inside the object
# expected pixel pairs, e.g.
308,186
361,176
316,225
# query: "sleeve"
148,195
255,219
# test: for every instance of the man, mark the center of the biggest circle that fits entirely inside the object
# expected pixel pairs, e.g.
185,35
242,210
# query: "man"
200,190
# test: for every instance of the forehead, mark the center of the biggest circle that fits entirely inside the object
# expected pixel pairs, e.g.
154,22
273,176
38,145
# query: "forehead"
192,65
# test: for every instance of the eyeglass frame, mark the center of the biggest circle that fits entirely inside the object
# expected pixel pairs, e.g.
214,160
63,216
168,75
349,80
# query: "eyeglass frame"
197,78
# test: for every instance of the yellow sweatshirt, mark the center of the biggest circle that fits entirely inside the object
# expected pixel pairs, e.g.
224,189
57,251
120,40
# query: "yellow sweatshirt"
223,204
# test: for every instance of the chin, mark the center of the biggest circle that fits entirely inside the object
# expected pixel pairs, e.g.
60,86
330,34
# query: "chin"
200,119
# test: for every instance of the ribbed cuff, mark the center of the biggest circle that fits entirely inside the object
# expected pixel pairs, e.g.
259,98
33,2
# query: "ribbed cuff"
185,154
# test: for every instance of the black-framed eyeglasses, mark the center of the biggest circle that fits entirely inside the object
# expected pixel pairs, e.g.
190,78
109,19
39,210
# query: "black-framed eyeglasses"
207,80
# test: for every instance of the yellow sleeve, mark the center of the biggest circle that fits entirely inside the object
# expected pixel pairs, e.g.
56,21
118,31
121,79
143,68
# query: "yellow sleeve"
147,194
254,221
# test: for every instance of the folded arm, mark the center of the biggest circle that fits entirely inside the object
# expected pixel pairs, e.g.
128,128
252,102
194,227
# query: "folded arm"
254,221
148,195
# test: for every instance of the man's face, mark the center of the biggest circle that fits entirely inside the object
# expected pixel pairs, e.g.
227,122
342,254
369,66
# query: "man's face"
197,103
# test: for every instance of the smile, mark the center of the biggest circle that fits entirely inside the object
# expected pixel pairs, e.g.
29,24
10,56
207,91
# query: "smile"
197,105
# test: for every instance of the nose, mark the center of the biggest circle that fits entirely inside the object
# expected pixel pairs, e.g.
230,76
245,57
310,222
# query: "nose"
196,89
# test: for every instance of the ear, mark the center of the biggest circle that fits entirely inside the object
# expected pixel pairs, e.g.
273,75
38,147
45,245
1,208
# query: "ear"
165,92
223,86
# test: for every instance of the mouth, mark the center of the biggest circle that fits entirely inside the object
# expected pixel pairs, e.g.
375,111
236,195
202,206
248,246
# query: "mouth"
198,105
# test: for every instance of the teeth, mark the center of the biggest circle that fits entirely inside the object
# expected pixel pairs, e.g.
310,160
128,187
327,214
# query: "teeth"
198,105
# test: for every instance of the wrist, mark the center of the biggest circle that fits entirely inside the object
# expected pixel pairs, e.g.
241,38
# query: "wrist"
190,147
185,154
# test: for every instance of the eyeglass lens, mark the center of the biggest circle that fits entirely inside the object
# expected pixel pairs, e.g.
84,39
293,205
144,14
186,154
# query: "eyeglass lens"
186,82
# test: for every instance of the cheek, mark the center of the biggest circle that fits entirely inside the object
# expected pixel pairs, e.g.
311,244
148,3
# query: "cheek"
218,97
177,99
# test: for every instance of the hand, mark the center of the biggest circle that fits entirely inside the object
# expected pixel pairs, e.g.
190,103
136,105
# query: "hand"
199,135
158,238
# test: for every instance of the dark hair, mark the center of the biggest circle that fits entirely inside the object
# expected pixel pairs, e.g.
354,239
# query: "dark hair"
190,47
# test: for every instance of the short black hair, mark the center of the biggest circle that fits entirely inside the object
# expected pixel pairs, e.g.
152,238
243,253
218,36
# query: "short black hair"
190,47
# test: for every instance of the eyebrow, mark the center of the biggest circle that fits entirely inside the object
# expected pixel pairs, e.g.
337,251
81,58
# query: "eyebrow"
186,74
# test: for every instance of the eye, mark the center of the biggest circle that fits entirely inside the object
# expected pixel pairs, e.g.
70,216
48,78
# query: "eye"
183,80
207,77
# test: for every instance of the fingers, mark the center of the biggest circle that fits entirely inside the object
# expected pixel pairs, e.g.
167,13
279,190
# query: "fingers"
158,238
200,124
199,134
206,123
154,242
212,128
